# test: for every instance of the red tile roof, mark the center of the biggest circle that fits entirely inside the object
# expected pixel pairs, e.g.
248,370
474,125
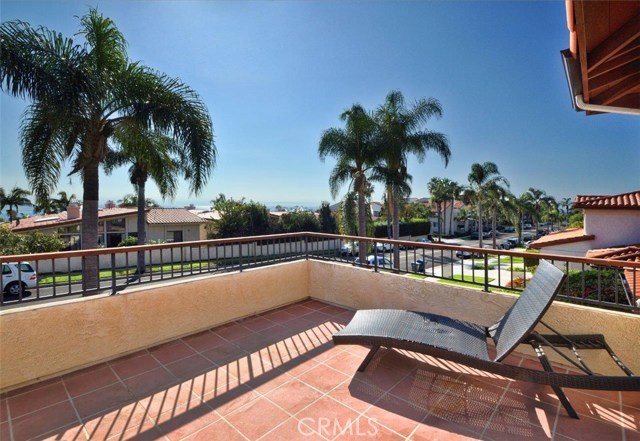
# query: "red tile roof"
569,235
626,201
172,216
60,219
630,253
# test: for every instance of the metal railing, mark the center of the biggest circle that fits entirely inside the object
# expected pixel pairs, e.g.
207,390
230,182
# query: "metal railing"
598,282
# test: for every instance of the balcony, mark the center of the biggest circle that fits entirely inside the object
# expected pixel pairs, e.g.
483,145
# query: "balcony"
247,354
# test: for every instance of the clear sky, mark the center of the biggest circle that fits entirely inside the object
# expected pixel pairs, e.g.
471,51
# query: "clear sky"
275,74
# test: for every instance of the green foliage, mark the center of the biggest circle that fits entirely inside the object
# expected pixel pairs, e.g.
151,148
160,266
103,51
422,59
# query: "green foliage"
326,219
129,242
239,218
415,227
298,221
30,243
598,285
576,220
414,210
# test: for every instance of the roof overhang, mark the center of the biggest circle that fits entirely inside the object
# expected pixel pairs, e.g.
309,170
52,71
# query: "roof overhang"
602,64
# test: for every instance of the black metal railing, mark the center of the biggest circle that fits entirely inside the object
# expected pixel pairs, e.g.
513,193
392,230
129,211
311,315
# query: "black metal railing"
597,282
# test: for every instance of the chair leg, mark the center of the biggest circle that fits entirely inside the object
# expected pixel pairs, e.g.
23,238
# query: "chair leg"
368,358
544,361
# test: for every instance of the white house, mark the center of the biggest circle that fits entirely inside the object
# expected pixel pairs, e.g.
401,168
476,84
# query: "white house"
609,222
116,224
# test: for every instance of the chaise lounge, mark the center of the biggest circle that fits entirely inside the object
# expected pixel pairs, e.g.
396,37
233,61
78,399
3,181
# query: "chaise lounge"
467,343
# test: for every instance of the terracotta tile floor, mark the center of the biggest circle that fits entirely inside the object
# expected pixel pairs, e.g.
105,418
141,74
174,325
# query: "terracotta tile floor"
277,376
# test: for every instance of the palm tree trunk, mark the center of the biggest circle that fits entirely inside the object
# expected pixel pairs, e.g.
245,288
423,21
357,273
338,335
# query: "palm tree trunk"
389,211
396,231
444,217
439,210
89,236
362,223
494,221
453,201
142,233
480,224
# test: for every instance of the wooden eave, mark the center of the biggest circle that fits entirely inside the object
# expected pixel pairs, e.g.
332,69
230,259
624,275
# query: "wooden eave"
608,50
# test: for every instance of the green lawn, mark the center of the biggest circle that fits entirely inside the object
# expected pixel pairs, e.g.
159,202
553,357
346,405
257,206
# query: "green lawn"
468,281
122,272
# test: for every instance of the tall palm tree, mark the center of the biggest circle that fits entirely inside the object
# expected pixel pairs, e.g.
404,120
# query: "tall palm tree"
496,196
402,133
81,94
437,190
482,177
15,198
150,155
540,201
354,149
454,190
516,208
566,203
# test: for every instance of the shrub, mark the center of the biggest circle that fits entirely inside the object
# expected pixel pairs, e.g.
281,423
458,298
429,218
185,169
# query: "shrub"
13,243
415,227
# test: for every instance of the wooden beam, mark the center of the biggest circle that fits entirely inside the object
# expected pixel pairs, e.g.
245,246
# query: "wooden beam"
616,62
623,88
614,43
613,76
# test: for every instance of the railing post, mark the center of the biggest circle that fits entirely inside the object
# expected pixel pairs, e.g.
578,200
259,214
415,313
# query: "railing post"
240,255
306,247
486,272
113,273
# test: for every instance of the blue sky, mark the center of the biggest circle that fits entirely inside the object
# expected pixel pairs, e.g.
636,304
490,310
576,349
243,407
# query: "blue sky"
275,74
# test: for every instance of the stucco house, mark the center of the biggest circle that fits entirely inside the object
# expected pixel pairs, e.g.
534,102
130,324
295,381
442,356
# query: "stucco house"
609,222
116,224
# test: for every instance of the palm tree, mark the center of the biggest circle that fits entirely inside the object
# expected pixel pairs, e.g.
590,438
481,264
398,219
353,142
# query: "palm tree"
453,191
15,198
516,208
353,148
81,94
149,155
566,203
482,177
437,191
496,198
540,200
402,133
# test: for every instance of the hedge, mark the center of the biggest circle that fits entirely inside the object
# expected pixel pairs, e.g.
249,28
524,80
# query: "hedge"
412,228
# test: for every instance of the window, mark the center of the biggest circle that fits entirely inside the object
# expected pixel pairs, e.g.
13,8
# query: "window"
6,269
174,236
70,236
115,231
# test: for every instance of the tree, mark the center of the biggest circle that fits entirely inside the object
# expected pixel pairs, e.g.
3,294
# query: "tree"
402,133
453,191
238,218
354,149
81,94
326,219
516,208
130,200
296,221
437,190
482,177
56,205
566,203
35,242
156,156
540,201
496,196
15,198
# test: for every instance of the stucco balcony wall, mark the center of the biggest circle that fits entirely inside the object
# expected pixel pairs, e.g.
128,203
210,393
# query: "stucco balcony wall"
42,341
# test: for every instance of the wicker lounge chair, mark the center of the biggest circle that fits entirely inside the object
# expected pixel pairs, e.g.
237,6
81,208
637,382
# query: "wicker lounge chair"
466,343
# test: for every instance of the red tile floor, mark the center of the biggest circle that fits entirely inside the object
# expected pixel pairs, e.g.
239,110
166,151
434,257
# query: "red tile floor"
277,376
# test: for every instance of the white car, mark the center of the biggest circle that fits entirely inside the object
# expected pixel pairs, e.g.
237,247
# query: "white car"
383,247
349,249
382,261
18,276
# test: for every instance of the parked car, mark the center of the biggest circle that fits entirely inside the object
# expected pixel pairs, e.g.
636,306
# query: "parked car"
513,240
349,249
509,229
425,240
18,276
463,254
382,261
506,245
383,247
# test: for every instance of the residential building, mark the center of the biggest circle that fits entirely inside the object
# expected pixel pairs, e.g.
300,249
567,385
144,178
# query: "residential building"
609,221
116,224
